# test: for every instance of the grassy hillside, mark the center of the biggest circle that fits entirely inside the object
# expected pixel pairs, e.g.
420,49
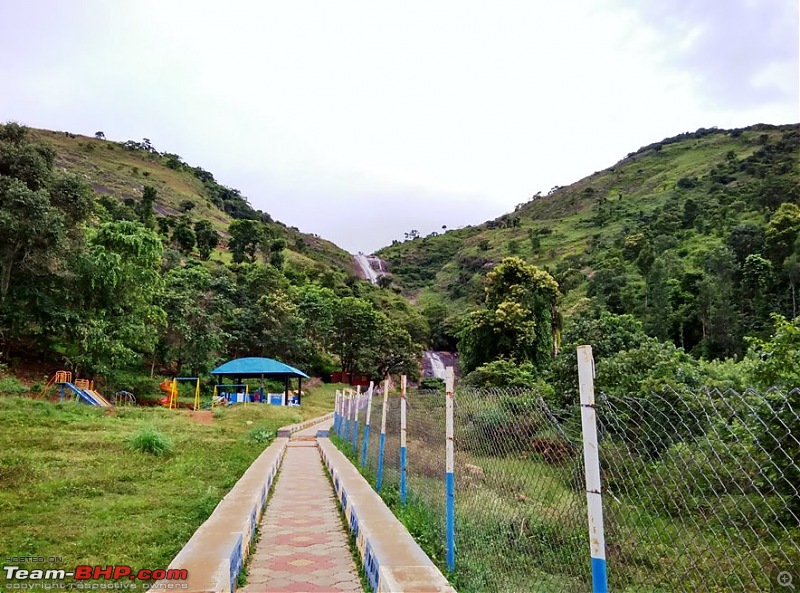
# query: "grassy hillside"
119,171
684,195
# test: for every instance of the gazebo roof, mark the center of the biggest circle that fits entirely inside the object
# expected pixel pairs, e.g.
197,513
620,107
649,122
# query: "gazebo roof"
256,367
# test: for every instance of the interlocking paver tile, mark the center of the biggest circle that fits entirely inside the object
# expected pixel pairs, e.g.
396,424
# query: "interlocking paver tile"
302,546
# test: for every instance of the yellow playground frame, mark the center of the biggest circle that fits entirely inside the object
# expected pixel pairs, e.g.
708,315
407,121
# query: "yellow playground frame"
173,393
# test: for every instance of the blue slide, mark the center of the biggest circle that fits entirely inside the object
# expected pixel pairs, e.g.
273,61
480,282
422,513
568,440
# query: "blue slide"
87,397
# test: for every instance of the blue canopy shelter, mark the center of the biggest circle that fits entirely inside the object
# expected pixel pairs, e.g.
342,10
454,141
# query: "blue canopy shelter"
253,367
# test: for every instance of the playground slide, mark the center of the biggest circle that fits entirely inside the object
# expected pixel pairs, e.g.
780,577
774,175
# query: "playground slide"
88,396
166,387
103,401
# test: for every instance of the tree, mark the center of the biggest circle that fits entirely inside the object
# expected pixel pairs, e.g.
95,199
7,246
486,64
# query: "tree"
38,208
519,320
207,238
145,207
392,352
355,327
117,281
746,239
246,236
782,231
100,135
183,235
194,338
276,255
317,305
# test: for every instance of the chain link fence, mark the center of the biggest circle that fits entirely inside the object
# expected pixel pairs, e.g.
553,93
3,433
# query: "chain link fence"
699,489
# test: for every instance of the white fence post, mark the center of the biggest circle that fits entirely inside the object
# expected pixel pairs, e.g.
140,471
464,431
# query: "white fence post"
366,425
355,417
591,459
450,480
403,459
379,480
349,397
336,413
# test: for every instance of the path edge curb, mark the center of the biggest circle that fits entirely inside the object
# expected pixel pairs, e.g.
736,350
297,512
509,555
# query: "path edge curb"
392,560
215,554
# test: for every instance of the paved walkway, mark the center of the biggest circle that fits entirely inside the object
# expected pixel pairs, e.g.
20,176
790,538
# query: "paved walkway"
302,546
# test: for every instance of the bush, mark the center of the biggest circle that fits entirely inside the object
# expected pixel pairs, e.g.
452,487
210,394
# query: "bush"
502,373
432,384
12,386
150,441
141,386
262,435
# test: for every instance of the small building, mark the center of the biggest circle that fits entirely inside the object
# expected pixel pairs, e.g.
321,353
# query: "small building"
261,368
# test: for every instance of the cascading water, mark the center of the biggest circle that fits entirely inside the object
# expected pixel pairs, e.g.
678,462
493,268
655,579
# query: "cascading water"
372,267
433,365
437,365
366,268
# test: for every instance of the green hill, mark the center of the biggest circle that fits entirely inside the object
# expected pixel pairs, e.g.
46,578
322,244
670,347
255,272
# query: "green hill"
661,224
118,261
118,172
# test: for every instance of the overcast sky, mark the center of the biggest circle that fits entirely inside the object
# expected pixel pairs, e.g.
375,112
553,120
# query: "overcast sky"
360,121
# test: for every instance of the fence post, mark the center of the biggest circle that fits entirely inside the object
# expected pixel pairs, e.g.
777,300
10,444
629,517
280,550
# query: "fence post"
355,419
366,425
591,460
450,480
349,398
379,480
336,413
403,469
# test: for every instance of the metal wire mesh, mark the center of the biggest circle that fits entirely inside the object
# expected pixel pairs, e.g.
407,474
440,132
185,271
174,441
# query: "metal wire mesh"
700,489
520,507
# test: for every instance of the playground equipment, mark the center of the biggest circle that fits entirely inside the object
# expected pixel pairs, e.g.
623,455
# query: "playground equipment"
218,398
81,390
171,389
124,398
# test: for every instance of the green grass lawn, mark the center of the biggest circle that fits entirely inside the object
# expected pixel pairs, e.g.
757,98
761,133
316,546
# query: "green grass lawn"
71,486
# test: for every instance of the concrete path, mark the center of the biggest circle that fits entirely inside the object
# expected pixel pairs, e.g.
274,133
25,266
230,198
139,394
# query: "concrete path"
302,546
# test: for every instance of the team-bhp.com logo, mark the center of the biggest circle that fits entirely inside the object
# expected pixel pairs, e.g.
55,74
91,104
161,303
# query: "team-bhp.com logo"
96,573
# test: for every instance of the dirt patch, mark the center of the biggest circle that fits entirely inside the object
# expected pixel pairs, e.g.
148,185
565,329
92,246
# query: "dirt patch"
203,416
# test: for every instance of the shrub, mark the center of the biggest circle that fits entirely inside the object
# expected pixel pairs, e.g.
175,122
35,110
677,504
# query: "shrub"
262,435
12,386
150,441
432,384
502,373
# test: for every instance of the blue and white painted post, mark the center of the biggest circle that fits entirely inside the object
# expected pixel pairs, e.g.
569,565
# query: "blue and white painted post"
366,425
379,480
349,398
450,480
336,413
355,418
591,460
403,468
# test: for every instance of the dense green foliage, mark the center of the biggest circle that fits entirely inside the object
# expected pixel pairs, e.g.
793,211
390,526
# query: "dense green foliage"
695,237
102,286
518,320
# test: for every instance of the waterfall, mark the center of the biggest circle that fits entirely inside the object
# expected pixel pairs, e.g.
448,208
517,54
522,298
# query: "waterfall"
372,267
436,363
366,268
